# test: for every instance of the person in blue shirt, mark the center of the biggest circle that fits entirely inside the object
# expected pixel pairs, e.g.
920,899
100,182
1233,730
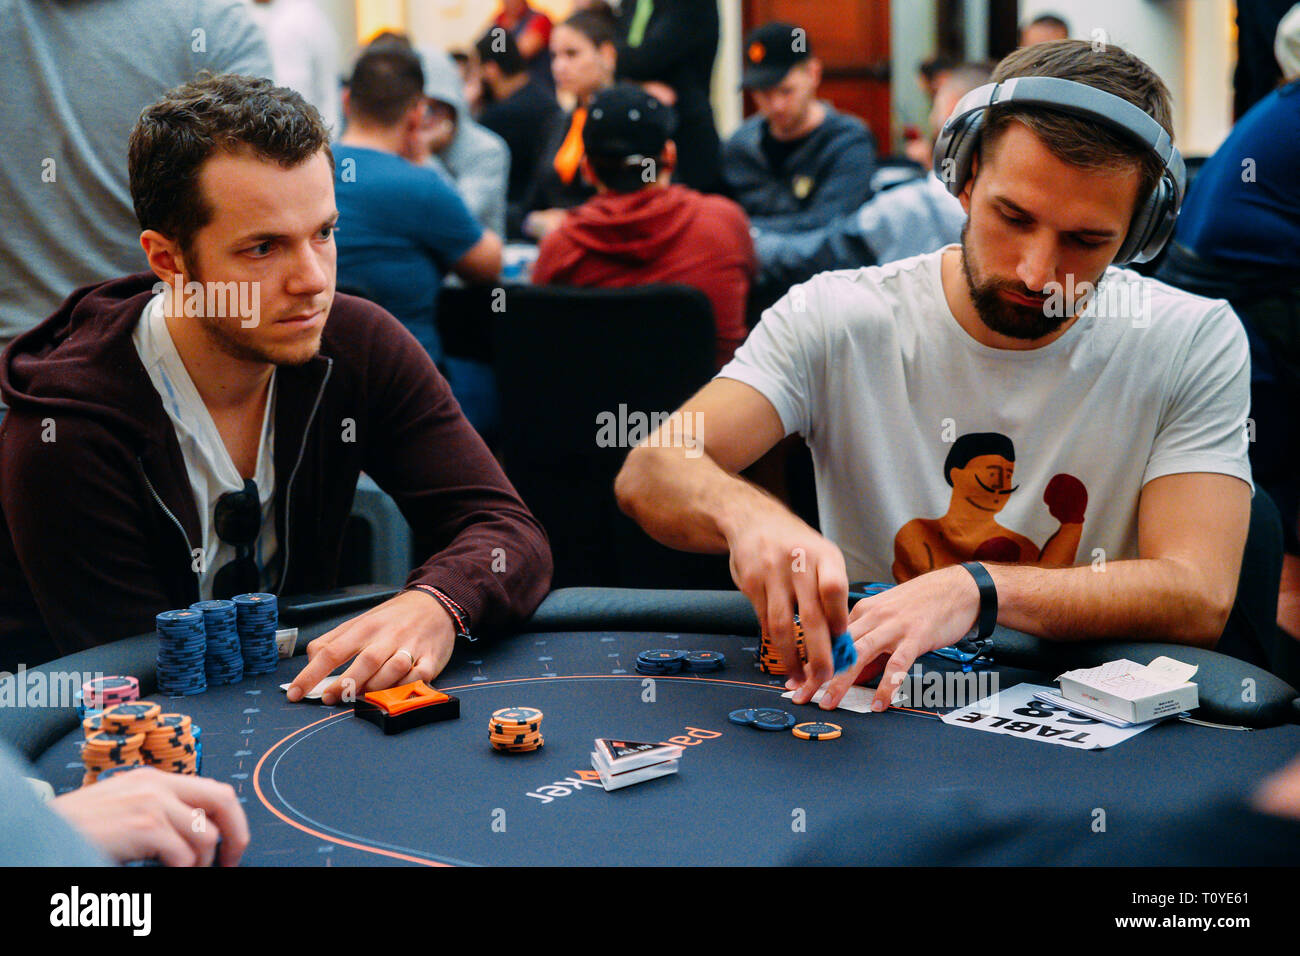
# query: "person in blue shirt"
1238,238
402,226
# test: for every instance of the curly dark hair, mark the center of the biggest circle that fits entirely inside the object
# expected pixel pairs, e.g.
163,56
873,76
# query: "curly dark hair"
229,113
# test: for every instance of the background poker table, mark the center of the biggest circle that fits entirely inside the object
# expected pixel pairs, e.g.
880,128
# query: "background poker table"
323,788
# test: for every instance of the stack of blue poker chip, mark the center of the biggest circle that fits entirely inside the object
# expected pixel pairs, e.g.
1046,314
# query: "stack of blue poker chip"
660,662
182,646
705,662
258,617
224,663
197,733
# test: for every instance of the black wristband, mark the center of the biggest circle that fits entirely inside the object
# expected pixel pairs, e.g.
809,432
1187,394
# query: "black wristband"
988,597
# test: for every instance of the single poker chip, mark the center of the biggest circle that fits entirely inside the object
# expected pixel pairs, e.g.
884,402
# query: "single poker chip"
515,739
704,662
816,730
517,715
519,748
127,715
102,686
507,729
661,656
107,742
744,718
772,719
93,724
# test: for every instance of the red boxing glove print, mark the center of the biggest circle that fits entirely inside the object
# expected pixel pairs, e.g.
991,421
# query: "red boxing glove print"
1066,498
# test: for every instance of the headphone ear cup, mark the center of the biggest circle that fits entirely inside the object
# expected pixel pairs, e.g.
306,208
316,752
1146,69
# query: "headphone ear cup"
952,155
1165,216
1150,227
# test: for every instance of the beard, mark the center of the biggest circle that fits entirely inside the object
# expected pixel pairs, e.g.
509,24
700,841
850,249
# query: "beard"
1025,322
227,340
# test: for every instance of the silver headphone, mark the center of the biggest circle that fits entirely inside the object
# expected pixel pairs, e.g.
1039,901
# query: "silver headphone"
1152,224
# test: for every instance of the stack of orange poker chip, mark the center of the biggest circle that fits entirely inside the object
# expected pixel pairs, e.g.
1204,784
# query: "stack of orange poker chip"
769,658
170,745
516,730
137,734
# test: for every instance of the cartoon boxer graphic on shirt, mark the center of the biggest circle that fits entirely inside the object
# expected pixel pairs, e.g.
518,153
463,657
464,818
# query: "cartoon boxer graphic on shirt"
980,467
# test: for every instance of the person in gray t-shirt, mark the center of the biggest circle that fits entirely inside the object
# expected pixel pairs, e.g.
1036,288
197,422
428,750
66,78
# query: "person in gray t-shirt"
76,76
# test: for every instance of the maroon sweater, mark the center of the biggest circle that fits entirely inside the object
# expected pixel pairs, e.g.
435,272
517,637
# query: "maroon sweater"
98,519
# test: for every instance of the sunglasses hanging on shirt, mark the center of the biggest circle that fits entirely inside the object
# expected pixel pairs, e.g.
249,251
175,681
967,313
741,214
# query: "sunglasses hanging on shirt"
238,521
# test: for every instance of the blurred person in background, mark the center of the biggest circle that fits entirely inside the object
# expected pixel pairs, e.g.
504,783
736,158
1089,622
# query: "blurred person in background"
642,228
520,110
1044,28
531,30
476,159
909,219
1238,238
68,219
668,46
799,162
304,52
584,59
403,226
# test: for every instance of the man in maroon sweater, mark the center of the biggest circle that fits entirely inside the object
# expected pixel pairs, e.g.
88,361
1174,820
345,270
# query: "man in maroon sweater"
191,437
640,228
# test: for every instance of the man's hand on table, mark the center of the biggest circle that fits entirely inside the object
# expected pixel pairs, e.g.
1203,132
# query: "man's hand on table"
931,611
407,638
148,814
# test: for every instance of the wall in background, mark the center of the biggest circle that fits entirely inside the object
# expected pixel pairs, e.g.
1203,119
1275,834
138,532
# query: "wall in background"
1188,42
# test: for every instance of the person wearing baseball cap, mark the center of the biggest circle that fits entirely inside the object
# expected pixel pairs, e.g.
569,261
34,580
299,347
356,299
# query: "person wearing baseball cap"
642,228
799,162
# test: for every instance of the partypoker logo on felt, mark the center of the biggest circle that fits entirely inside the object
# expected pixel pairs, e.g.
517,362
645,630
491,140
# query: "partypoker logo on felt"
550,792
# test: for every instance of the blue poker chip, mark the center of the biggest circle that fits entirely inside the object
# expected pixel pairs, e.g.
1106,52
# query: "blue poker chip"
769,718
859,590
744,718
660,662
661,656
704,662
843,652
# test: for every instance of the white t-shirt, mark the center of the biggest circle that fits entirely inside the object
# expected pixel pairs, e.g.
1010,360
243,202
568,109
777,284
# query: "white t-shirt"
211,470
871,367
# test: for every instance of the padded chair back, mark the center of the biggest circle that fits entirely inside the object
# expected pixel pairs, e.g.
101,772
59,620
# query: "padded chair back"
569,361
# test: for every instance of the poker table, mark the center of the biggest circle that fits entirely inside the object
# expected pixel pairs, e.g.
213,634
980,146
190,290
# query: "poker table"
322,787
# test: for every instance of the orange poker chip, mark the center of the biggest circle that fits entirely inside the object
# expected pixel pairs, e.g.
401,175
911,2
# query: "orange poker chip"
105,742
519,748
515,738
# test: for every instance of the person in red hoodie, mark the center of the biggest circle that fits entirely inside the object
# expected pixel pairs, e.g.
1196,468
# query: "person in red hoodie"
640,228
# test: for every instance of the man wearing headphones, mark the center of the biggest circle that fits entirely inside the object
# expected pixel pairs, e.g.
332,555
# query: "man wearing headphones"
1125,402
